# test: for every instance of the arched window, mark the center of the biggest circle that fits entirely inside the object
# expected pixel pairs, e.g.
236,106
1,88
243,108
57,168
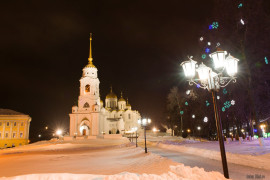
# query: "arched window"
87,88
86,105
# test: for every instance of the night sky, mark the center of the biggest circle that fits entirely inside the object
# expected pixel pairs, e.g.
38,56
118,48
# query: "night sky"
137,48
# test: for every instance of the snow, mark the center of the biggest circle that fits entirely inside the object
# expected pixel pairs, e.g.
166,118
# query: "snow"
179,172
248,153
92,159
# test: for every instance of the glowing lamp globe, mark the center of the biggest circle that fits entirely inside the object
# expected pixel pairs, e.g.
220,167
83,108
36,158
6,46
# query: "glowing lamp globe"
189,68
59,132
231,65
218,58
139,121
148,121
203,72
144,121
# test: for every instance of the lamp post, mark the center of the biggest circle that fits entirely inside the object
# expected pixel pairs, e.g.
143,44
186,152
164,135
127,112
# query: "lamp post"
144,122
212,81
181,130
135,129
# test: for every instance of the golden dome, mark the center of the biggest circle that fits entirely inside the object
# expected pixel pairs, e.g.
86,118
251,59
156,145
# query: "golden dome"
111,95
90,65
128,103
121,98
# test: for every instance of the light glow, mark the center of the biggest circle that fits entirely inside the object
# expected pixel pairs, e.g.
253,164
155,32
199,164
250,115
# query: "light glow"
203,72
205,119
218,58
59,132
189,68
231,65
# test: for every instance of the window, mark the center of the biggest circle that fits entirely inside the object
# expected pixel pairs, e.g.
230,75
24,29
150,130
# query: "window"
86,105
0,123
6,135
87,88
129,116
14,135
7,123
15,123
22,124
21,135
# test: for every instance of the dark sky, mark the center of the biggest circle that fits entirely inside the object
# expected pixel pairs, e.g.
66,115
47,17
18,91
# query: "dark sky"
137,48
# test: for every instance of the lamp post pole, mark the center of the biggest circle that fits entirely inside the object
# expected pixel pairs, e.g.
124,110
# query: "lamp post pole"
145,148
220,136
136,139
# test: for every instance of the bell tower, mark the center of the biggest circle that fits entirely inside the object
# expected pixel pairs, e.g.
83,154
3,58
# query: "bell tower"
89,85
84,119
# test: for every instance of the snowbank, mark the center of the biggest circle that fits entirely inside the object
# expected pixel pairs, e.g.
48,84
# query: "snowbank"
179,172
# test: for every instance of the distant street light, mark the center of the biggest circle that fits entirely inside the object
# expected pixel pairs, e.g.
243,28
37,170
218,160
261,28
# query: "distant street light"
193,116
39,135
199,129
46,127
205,119
213,81
144,122
135,129
59,133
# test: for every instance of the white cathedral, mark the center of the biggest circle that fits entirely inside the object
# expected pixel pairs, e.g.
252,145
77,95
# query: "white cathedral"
91,117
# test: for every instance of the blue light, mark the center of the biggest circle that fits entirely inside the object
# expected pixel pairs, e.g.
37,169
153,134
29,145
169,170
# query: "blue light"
255,130
198,86
266,60
207,50
223,109
186,103
240,5
215,25
203,56
224,91
210,27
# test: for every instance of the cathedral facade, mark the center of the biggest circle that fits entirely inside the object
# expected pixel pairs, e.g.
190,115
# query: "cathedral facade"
92,117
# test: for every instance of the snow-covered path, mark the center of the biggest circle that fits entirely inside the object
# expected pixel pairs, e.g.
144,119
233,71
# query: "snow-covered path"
236,171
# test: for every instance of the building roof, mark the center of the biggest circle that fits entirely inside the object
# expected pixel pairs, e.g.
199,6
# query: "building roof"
111,95
121,98
9,112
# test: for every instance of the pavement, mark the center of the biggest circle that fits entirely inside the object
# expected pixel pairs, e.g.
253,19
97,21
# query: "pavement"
236,171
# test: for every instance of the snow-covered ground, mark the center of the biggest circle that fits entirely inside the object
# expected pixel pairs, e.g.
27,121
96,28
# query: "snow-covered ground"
248,153
92,159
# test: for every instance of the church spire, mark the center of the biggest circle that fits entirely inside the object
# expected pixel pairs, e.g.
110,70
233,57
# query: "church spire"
90,59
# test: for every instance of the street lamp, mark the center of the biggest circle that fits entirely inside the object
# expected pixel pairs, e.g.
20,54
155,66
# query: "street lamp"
205,119
59,133
199,129
144,122
135,129
213,81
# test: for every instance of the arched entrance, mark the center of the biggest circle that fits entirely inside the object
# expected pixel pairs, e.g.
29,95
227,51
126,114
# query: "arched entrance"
85,129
